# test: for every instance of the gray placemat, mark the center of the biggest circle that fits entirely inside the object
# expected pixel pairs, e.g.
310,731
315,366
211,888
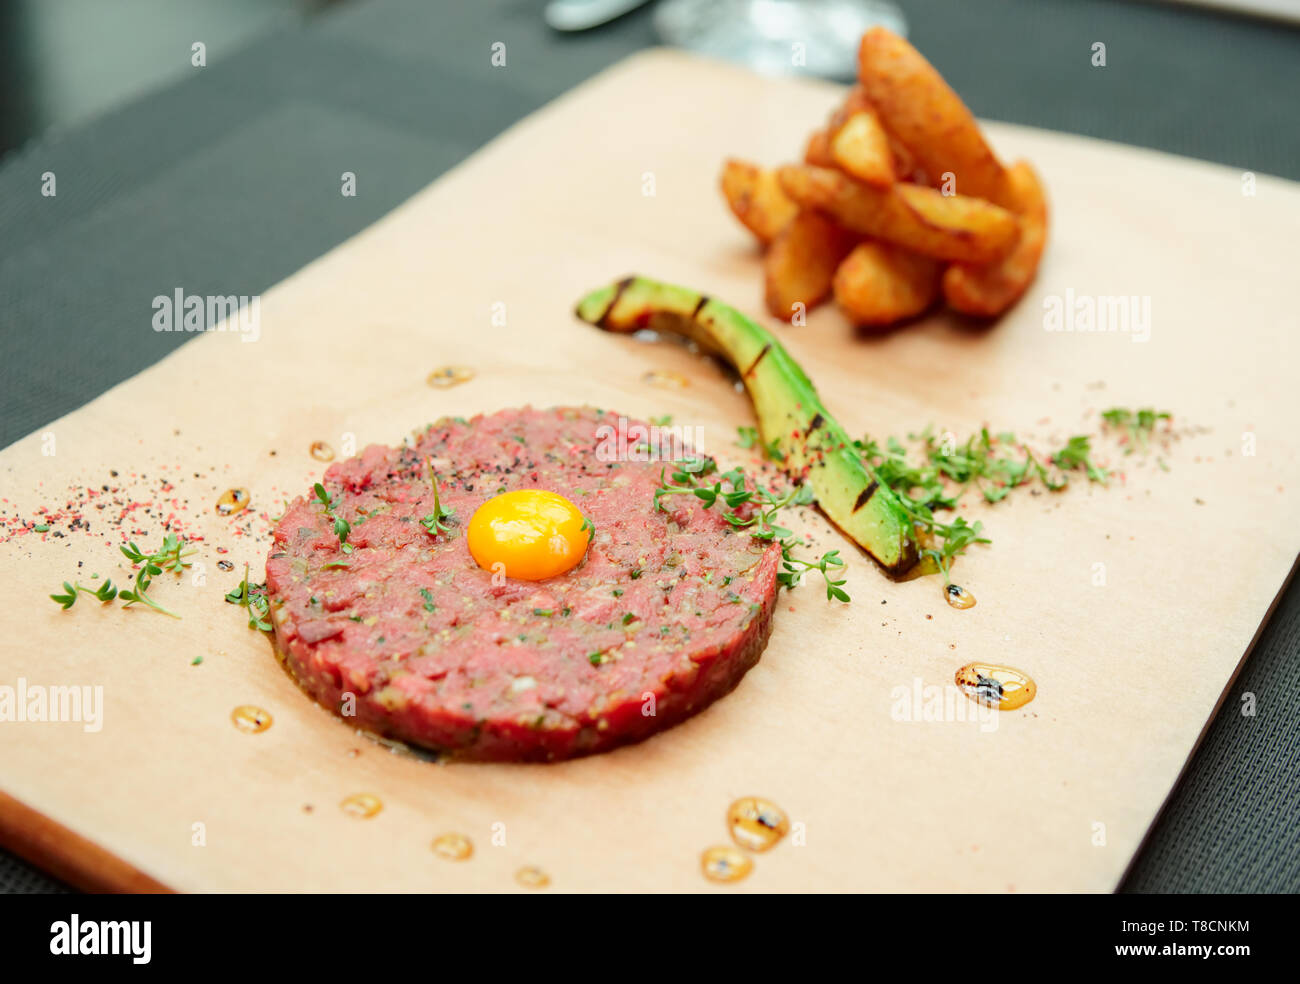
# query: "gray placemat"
227,182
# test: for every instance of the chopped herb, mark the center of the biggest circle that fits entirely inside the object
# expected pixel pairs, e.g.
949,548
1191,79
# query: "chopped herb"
747,437
617,592
1138,425
543,612
730,489
43,528
253,597
429,606
992,464
663,421
629,618
1077,454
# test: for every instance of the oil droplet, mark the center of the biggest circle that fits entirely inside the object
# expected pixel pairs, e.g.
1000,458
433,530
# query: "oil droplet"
756,824
453,847
532,877
1002,687
725,864
251,720
232,501
448,376
958,597
665,380
363,806
321,451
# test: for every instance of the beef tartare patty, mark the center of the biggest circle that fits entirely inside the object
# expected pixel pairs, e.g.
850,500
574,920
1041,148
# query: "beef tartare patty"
666,612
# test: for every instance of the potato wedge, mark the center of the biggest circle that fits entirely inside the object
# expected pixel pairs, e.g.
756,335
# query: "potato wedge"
818,150
953,227
801,262
855,102
861,148
879,284
928,118
756,199
987,291
905,165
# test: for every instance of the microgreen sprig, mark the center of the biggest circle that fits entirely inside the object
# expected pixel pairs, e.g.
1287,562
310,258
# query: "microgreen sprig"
434,521
170,557
252,597
794,568
105,592
954,538
342,528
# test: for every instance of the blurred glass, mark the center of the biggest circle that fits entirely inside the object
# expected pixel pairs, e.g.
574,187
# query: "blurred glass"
778,37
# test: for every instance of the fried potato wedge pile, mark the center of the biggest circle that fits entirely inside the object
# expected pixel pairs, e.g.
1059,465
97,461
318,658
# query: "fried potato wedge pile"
899,201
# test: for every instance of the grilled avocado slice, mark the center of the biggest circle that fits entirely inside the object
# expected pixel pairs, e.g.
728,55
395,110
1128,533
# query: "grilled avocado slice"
791,416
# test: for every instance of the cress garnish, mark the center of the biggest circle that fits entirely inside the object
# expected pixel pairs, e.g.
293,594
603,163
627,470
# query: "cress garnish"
169,557
252,597
341,526
433,522
730,489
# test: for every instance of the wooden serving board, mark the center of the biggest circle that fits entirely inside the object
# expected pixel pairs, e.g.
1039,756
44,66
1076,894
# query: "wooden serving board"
1057,797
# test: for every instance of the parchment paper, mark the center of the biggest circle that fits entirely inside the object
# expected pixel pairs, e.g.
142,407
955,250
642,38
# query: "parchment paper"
1130,656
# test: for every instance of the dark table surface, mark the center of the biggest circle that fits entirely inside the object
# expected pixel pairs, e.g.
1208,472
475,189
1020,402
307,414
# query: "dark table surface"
226,182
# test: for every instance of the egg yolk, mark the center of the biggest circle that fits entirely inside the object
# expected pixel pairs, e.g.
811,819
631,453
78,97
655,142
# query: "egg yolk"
535,534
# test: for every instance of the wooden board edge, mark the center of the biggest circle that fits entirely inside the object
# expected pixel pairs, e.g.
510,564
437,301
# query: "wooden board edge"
1205,731
66,855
